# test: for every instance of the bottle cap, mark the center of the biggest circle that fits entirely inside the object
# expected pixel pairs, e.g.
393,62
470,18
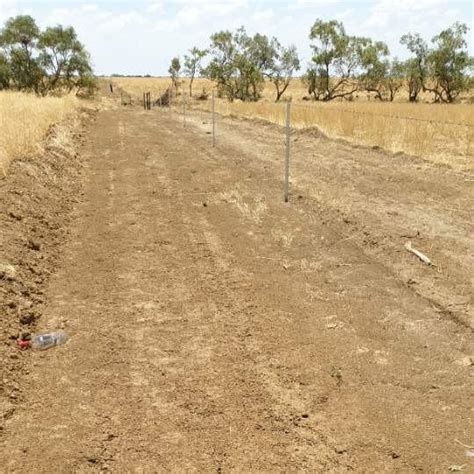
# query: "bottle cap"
23,344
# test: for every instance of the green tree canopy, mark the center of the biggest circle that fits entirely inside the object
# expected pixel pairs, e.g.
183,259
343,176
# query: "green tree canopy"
4,72
192,65
63,59
277,63
234,65
379,74
174,71
19,39
449,63
444,69
52,61
335,62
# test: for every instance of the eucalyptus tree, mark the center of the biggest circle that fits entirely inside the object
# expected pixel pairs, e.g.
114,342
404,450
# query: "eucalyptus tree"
192,65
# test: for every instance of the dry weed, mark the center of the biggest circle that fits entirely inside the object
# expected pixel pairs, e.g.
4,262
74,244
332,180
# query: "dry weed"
252,210
25,120
284,238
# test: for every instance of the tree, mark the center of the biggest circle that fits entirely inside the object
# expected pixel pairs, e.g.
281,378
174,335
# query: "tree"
380,75
277,63
63,58
416,68
174,71
395,78
192,65
221,68
449,64
249,79
336,59
413,78
4,72
234,67
19,38
442,70
53,61
375,68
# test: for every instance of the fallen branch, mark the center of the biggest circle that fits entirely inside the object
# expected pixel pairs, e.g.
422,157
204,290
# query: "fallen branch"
420,255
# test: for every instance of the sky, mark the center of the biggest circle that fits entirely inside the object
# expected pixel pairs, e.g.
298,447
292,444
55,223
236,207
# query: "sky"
141,37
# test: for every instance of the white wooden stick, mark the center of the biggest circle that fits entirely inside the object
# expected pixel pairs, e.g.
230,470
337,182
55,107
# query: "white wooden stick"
420,255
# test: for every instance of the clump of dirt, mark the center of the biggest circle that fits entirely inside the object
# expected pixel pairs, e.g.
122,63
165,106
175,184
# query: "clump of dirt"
36,201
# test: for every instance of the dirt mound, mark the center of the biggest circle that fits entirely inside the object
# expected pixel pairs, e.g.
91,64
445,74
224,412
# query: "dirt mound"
36,200
165,99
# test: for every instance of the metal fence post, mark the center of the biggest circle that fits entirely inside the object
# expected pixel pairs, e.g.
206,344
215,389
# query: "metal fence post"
213,119
287,157
184,111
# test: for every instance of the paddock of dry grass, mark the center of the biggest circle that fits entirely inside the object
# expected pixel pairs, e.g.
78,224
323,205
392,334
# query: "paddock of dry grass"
24,121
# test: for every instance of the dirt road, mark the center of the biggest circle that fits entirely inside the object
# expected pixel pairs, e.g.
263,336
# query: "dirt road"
215,328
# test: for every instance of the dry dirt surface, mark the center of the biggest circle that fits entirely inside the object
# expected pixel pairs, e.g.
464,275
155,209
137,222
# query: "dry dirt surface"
213,327
36,202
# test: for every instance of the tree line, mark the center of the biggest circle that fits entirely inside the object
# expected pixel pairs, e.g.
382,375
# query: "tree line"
341,65
52,61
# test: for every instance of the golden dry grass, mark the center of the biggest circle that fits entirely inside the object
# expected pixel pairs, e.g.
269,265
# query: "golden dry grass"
24,121
440,133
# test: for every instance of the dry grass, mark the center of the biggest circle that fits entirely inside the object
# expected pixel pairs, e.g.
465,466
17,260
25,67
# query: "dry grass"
253,208
136,86
439,133
24,121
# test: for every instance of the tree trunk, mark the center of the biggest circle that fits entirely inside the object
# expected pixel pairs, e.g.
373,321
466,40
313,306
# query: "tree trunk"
282,91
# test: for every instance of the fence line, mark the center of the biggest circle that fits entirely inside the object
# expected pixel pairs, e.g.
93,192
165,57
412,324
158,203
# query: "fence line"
398,117
372,114
450,145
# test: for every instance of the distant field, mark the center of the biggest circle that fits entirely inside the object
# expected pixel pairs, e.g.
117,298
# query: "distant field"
24,121
439,132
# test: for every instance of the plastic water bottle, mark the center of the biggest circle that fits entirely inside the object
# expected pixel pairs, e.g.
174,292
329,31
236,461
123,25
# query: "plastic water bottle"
45,341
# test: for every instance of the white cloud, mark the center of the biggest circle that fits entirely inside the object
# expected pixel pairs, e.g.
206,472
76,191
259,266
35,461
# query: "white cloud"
188,15
90,7
263,15
116,23
388,20
386,13
155,7
8,8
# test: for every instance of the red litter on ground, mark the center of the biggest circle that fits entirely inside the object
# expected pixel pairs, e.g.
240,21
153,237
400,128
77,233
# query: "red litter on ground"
23,343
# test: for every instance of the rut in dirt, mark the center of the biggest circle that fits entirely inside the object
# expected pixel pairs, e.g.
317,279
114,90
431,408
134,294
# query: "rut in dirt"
213,327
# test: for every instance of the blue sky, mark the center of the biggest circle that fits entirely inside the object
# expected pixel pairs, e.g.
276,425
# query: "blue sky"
141,37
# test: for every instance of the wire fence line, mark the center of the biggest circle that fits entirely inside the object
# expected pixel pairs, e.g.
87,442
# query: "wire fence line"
336,110
329,109
392,116
449,142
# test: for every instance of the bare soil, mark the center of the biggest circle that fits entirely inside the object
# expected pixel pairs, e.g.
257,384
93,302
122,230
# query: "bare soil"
214,327
36,202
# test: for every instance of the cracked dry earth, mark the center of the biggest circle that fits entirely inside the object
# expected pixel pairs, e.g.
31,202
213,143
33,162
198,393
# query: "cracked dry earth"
215,328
